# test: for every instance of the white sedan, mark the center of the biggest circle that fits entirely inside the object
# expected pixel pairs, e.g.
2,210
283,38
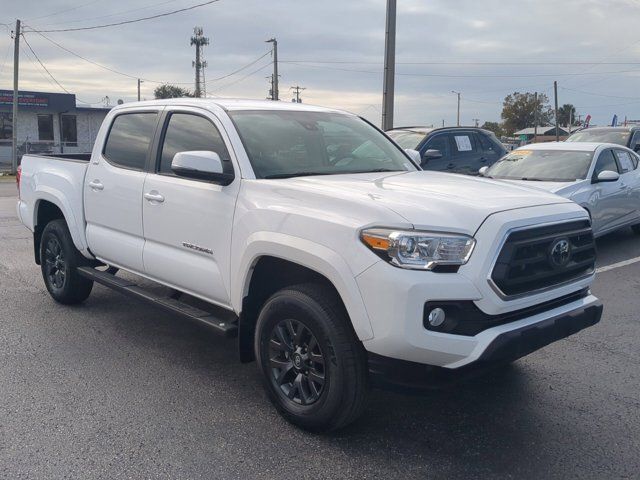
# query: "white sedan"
601,177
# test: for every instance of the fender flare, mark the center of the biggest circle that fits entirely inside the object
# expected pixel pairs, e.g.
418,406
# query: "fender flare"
311,255
51,195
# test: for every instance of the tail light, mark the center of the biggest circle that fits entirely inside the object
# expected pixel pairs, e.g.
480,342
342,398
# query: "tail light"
18,175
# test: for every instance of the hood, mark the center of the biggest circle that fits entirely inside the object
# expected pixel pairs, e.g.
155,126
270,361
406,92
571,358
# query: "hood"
559,188
442,201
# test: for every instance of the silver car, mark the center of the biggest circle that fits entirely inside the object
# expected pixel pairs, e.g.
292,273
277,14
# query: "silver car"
601,177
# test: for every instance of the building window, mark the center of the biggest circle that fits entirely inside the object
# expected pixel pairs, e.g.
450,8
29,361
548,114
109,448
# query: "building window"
45,127
69,131
6,126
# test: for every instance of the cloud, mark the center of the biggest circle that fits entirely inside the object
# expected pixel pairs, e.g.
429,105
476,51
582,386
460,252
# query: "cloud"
464,32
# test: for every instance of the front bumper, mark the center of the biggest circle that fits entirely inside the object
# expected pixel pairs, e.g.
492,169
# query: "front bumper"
505,347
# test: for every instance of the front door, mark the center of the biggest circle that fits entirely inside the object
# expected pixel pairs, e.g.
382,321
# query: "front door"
113,191
439,142
605,198
187,223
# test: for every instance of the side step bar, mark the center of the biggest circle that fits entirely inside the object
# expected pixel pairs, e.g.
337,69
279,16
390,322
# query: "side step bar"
228,327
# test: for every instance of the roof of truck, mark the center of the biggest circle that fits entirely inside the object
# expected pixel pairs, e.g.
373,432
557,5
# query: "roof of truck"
234,104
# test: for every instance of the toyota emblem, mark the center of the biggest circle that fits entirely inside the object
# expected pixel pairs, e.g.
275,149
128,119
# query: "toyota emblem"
560,252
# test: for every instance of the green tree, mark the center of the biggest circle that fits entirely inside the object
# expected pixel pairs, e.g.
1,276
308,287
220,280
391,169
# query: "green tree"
566,114
519,111
494,127
171,91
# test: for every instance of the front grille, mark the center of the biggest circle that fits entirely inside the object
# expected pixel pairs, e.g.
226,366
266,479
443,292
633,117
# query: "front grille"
542,257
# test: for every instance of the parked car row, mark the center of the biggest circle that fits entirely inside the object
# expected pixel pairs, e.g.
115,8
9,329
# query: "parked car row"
595,167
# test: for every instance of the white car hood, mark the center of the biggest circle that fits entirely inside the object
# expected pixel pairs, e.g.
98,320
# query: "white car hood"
453,202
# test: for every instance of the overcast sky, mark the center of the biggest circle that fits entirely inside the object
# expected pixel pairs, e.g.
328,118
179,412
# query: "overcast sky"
592,48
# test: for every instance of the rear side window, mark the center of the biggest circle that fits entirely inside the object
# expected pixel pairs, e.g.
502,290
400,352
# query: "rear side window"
625,161
129,139
186,132
488,145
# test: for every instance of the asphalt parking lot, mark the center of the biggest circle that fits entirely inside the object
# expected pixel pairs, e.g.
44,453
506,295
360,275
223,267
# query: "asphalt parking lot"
115,389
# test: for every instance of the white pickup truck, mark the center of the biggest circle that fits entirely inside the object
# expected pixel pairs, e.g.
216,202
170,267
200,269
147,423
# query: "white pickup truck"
313,238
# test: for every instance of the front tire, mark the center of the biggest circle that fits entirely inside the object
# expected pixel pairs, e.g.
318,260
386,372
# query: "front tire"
314,367
59,262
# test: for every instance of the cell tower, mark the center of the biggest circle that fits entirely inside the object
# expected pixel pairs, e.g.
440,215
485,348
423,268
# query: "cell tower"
199,40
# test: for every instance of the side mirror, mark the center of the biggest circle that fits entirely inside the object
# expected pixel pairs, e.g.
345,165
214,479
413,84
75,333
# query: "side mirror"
413,154
432,154
636,148
483,170
607,176
200,165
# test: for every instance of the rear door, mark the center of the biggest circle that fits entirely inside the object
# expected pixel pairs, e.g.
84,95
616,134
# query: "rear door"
466,153
188,231
113,190
630,191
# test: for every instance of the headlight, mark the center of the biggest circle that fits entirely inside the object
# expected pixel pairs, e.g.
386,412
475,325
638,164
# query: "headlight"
418,250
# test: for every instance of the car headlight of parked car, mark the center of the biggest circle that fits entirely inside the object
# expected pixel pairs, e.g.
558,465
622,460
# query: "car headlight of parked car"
418,250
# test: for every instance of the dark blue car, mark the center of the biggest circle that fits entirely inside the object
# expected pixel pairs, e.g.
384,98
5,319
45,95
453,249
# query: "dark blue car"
451,149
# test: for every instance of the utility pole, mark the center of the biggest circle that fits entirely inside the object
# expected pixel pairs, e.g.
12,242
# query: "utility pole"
555,94
275,94
535,118
388,87
297,89
139,82
199,40
458,94
14,121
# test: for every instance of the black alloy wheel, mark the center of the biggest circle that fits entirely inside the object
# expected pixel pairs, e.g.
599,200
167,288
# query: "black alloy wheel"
56,267
297,362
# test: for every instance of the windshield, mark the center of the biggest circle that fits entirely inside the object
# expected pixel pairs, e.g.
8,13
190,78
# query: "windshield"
406,138
543,165
283,144
621,137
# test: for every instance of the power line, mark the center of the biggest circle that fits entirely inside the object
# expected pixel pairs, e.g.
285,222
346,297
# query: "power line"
126,22
49,73
211,80
66,22
443,75
351,62
65,11
244,77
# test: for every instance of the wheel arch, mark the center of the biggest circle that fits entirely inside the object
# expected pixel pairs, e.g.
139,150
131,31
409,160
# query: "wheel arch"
271,265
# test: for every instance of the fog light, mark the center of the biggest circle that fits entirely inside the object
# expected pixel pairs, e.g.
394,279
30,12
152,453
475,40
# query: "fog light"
436,317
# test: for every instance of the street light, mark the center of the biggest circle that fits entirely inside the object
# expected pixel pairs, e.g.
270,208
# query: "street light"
458,94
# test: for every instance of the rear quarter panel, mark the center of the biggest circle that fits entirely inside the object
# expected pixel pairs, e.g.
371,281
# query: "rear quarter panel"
55,180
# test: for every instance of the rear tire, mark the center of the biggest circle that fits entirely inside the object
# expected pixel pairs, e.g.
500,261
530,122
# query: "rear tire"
59,262
314,367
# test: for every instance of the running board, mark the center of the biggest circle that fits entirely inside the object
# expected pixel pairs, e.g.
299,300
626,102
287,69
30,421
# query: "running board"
228,327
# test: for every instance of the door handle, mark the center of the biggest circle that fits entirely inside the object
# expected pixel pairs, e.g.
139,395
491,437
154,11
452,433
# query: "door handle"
450,166
96,185
154,197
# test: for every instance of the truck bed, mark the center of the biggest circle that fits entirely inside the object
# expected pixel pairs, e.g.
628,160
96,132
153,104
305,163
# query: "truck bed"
79,157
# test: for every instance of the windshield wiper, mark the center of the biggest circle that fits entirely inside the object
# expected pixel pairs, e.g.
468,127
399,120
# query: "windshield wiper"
529,179
296,174
308,174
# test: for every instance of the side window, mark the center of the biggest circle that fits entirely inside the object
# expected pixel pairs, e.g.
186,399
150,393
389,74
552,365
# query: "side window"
440,143
129,139
606,161
635,141
625,161
188,132
488,146
464,144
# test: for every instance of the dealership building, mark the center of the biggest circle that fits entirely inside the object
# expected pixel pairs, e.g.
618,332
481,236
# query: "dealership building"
47,123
